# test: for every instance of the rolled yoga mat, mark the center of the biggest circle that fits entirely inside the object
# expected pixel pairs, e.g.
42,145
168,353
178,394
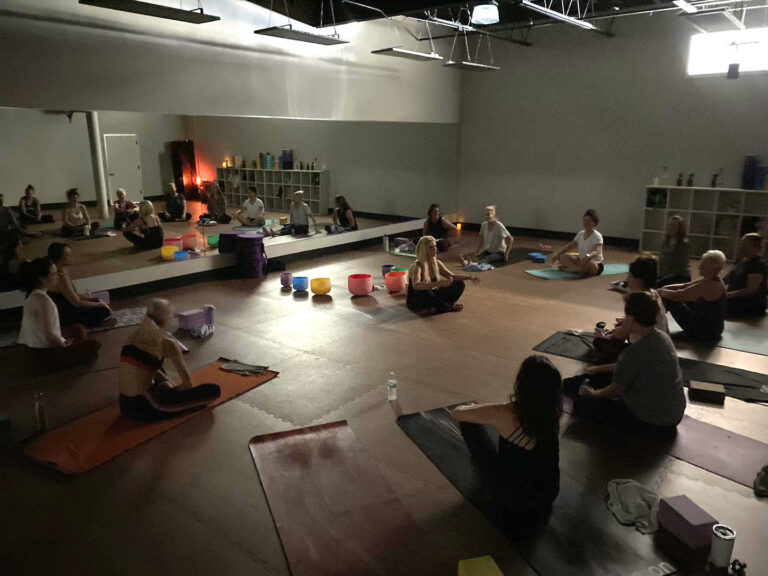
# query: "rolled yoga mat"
335,512
92,440
581,537
741,384
554,274
125,317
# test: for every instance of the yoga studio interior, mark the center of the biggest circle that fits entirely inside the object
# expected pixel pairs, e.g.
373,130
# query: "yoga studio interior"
384,287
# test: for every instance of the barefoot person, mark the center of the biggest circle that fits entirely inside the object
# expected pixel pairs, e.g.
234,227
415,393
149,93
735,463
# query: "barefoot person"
699,307
30,211
589,242
431,286
747,280
125,210
146,392
523,473
146,231
675,255
440,229
41,331
494,242
73,307
175,206
75,220
251,213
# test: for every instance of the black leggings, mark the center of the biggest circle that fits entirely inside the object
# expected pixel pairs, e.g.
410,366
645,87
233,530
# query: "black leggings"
147,242
177,401
69,314
695,323
613,413
441,299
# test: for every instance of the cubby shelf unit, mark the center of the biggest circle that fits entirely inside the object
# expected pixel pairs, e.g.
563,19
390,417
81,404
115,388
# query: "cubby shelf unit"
715,217
276,187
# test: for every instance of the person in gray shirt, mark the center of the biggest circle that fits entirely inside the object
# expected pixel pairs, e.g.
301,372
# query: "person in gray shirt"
644,389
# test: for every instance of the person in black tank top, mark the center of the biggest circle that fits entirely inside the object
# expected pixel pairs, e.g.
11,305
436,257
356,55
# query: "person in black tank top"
522,475
343,215
150,230
439,229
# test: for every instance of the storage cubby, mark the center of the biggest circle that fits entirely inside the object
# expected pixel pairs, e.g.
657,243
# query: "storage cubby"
655,219
680,199
728,246
652,241
704,200
699,244
701,223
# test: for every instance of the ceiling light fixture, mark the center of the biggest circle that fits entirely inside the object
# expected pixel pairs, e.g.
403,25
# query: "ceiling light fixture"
685,6
558,15
287,32
485,14
195,16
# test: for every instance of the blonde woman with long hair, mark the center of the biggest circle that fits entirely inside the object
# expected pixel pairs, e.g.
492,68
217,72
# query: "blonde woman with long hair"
432,287
146,231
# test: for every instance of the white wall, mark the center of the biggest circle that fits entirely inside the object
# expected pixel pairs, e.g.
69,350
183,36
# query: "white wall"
59,54
580,120
381,167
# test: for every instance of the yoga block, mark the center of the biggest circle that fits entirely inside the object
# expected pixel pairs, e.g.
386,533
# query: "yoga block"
708,392
482,566
191,318
537,257
680,516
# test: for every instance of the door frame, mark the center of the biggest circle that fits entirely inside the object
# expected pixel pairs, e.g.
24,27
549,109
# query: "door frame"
106,165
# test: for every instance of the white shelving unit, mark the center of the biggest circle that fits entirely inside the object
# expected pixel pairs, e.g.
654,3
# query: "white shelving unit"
276,187
716,218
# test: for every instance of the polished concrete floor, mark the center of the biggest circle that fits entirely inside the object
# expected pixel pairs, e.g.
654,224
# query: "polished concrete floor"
189,501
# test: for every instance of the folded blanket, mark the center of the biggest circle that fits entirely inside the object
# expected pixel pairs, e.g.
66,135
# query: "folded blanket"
632,503
482,267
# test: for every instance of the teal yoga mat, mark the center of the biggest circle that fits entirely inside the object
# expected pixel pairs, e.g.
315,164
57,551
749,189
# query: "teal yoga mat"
552,274
738,335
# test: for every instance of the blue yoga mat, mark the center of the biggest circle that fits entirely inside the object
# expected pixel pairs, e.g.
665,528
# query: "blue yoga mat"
552,274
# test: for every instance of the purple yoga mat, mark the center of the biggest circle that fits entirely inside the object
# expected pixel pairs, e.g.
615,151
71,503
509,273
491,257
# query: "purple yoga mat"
719,451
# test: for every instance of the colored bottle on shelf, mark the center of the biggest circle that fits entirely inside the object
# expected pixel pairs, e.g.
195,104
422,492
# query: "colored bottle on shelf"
679,179
690,181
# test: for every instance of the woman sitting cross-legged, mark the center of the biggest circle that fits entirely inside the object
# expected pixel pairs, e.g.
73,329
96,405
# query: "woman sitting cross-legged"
641,278
73,307
440,229
494,242
40,329
747,288
699,307
523,474
644,389
675,255
343,215
146,231
146,392
75,220
125,210
431,286
589,242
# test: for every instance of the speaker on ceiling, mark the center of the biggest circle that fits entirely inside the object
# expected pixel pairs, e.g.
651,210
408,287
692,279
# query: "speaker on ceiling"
185,168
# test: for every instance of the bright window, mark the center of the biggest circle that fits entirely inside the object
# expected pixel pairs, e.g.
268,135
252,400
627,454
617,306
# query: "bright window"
713,53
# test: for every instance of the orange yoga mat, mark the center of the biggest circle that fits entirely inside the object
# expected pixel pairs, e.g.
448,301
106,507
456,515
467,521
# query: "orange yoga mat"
90,441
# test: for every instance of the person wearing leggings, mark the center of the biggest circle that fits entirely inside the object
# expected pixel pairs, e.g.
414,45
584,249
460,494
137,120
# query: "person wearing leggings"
522,475
146,392
644,389
431,286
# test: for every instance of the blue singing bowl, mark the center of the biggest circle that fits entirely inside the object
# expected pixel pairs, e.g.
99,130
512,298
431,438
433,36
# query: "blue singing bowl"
300,283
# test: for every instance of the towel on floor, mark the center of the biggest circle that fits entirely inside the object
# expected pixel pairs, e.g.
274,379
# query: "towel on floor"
633,503
242,368
482,267
761,482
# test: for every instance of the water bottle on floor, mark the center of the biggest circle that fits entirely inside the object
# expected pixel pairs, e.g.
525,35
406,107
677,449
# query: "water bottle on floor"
41,419
392,387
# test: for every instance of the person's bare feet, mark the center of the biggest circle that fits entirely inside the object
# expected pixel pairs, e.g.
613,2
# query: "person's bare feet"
109,322
458,307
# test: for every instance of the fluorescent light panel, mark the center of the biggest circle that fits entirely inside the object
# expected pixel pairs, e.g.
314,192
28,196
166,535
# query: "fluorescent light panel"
288,33
149,9
471,66
398,52
557,15
685,6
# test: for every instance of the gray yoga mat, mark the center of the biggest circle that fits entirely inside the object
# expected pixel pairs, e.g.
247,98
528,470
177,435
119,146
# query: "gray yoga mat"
737,336
125,317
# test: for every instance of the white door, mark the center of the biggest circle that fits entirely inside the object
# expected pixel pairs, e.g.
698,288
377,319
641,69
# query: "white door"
123,165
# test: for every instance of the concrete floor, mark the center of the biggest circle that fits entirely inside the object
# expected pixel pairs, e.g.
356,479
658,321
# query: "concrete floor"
189,501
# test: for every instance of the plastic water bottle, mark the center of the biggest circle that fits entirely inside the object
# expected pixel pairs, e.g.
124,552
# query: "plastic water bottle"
41,419
392,387
386,243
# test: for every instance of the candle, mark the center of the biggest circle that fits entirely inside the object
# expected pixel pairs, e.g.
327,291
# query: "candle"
458,226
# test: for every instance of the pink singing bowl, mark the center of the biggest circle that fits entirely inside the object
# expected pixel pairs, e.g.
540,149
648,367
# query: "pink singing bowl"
360,284
396,281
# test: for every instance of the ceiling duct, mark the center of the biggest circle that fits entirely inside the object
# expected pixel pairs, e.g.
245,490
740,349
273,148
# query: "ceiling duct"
195,16
287,32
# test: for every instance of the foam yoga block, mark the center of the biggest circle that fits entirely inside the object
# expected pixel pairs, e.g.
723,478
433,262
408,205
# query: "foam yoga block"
537,257
690,524
706,392
482,566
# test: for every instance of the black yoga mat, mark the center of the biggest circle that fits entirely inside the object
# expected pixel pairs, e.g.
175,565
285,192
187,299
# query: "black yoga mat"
741,384
580,538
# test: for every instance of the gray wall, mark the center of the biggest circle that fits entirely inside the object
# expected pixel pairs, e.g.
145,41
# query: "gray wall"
581,120
42,148
381,167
